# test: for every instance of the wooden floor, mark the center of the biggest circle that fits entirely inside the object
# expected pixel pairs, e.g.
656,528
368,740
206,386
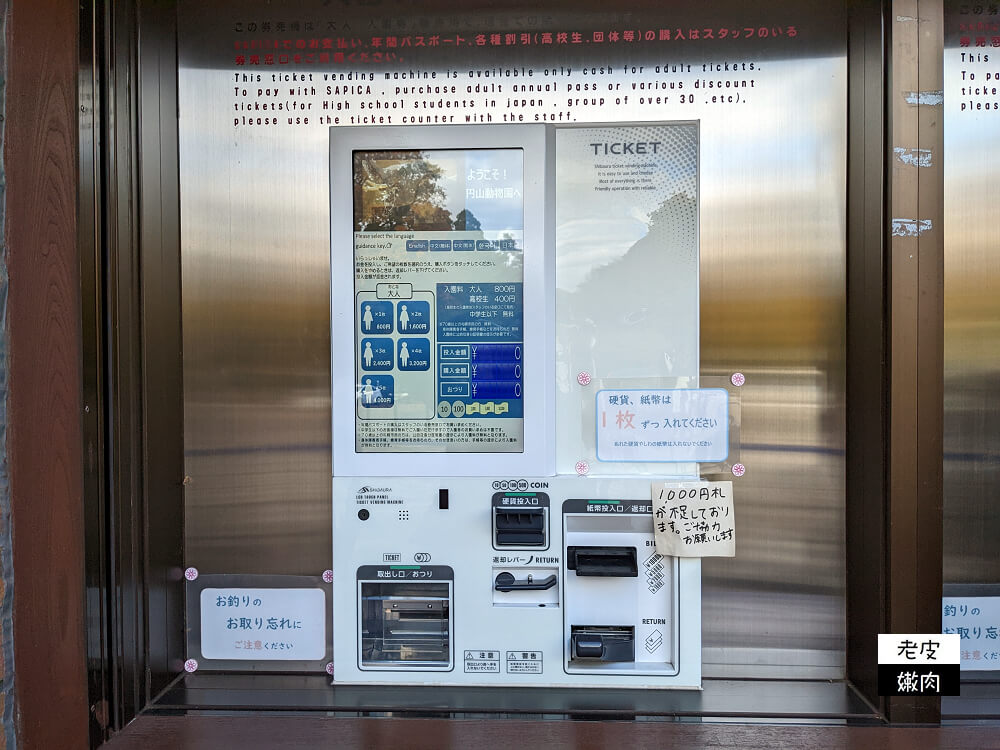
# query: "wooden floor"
312,732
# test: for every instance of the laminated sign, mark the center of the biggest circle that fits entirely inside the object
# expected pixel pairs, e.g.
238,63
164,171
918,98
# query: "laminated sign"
694,519
976,621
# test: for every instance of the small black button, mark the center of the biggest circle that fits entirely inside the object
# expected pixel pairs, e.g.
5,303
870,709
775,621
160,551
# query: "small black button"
363,514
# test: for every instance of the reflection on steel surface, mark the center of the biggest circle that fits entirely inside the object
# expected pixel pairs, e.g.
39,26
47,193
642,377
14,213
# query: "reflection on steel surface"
971,166
256,325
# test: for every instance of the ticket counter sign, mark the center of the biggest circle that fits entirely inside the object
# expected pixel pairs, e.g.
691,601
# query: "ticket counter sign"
439,313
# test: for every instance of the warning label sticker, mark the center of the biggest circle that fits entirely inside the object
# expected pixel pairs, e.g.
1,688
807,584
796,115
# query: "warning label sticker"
524,662
482,661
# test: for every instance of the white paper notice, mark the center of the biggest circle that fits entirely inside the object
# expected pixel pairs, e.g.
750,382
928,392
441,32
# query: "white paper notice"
976,621
694,519
676,424
263,624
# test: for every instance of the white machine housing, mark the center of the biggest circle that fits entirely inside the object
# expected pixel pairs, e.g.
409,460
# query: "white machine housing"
447,571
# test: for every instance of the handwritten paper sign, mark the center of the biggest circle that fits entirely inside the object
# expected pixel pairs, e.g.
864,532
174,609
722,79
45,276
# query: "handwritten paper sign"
671,425
261,624
694,519
976,622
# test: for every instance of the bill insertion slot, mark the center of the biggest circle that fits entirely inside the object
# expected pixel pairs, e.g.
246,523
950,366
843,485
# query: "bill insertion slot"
603,561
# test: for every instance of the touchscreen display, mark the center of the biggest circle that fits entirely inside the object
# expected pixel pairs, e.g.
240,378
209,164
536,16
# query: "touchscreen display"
438,283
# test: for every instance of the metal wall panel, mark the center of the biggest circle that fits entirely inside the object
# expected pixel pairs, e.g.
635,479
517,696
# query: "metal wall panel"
971,302
254,213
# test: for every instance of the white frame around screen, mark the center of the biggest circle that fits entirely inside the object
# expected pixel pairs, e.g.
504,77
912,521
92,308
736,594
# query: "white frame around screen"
538,457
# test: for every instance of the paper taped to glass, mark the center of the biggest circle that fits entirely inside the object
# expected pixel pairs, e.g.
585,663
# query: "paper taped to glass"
694,519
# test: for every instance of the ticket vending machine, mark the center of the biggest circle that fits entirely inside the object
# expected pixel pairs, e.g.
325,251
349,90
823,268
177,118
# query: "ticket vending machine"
505,301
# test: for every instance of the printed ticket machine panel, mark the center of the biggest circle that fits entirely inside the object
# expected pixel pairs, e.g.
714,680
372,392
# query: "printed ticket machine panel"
431,585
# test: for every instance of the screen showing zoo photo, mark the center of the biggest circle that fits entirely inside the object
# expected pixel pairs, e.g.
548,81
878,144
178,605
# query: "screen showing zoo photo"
474,190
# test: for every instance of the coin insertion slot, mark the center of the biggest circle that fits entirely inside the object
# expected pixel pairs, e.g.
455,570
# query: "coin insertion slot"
519,527
405,624
618,562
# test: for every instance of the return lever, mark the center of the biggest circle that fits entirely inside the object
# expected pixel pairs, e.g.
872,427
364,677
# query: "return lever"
507,582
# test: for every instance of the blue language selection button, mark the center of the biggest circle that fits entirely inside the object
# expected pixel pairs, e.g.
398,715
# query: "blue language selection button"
413,316
453,351
450,390
485,245
376,391
415,246
413,354
454,369
440,245
376,317
508,245
376,354
463,244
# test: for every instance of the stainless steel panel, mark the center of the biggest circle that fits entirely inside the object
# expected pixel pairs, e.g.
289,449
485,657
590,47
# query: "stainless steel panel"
971,301
255,290
742,700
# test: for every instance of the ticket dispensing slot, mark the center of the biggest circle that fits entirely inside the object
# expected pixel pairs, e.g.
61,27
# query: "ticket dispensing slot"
405,625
